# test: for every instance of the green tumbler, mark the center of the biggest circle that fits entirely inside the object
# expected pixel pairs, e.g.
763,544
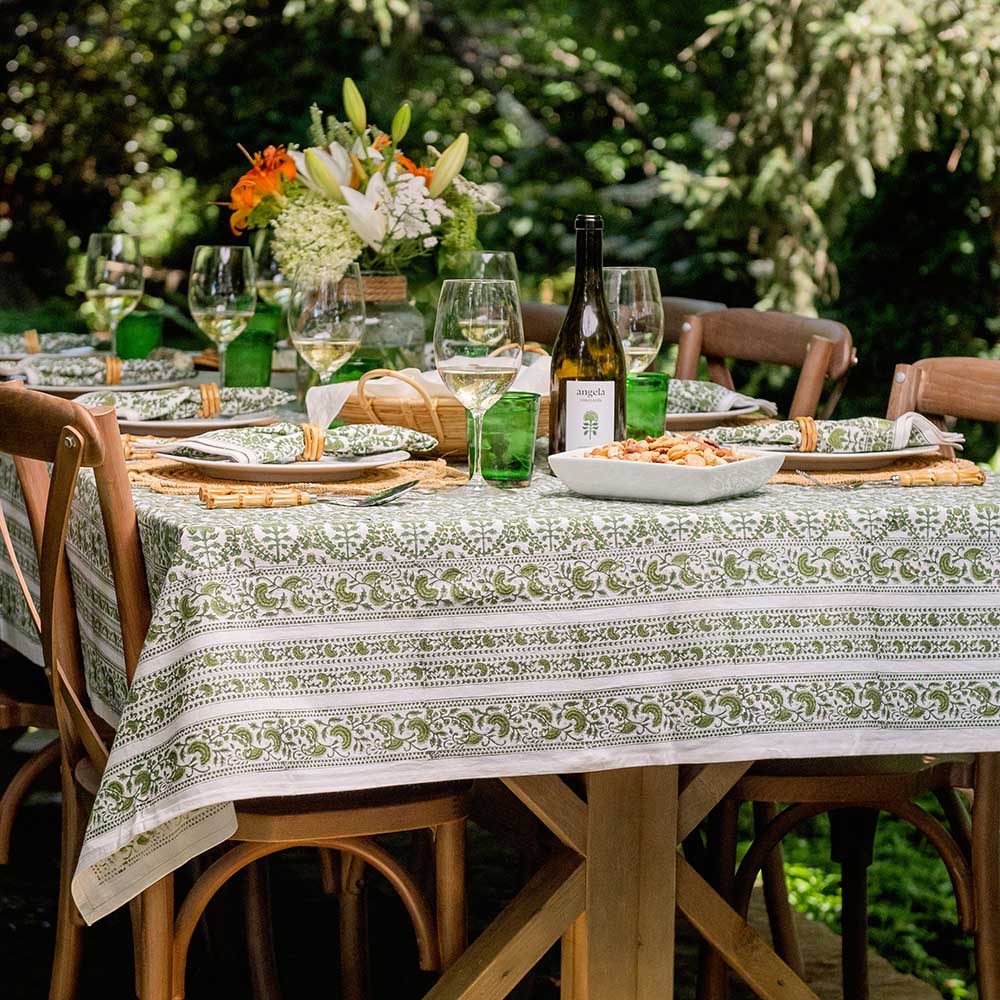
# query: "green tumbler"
509,431
138,334
645,404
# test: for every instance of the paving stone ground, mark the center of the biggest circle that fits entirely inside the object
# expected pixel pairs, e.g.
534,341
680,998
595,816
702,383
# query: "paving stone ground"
305,929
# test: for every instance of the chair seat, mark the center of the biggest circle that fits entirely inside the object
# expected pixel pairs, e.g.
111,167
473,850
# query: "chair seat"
853,779
366,812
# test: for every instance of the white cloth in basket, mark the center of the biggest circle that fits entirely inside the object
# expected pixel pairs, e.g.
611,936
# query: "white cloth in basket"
324,402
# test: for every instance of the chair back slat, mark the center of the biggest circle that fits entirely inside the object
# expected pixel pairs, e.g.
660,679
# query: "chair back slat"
541,322
947,387
676,310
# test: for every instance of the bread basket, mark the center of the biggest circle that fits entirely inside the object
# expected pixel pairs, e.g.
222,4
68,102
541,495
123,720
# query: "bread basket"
444,417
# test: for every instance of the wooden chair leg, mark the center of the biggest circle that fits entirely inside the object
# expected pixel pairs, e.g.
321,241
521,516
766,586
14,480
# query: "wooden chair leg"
779,910
69,927
986,874
713,974
852,840
329,868
157,942
353,929
573,971
18,788
260,933
449,870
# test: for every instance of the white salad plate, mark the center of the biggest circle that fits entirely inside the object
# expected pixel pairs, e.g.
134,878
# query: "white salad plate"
699,421
196,425
327,470
616,479
815,461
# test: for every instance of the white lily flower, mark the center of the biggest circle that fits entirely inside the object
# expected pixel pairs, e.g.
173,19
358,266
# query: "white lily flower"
368,212
358,149
325,171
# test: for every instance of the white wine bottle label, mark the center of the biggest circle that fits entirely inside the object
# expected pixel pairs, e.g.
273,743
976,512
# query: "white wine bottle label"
590,413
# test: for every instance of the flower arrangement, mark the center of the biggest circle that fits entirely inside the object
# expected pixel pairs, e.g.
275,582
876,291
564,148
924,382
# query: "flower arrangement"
354,196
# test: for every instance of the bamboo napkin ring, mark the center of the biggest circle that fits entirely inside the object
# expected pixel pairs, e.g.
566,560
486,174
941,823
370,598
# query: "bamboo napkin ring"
32,342
942,477
226,498
211,400
808,432
313,443
112,371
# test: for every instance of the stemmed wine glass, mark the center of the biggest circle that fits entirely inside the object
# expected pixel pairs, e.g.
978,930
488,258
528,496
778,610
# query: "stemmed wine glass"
222,295
483,265
633,295
478,341
113,280
272,285
326,318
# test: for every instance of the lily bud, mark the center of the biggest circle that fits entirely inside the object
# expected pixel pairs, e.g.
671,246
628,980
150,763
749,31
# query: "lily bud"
321,173
401,123
354,105
449,165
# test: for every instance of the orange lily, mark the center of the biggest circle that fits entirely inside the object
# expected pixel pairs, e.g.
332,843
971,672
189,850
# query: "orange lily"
265,179
411,168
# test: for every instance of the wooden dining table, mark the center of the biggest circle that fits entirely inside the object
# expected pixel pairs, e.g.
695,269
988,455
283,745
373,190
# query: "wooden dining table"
657,649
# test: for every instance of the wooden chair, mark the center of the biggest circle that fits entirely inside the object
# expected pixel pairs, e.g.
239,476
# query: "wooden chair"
39,429
854,790
676,312
541,322
947,387
821,348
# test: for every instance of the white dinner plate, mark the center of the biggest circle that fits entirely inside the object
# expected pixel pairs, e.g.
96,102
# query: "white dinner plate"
196,425
324,471
72,391
615,479
699,421
814,461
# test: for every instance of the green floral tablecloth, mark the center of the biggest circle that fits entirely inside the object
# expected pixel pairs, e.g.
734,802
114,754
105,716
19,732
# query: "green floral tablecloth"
319,648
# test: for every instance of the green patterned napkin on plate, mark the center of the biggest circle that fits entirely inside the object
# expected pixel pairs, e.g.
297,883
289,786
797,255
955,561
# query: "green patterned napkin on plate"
691,396
281,444
91,369
15,343
859,434
184,402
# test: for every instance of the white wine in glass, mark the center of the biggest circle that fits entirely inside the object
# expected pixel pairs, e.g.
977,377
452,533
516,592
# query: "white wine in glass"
478,343
222,295
633,295
113,281
326,318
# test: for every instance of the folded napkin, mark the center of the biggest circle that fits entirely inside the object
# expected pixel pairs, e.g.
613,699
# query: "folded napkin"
281,444
860,434
46,369
32,342
324,402
690,396
185,402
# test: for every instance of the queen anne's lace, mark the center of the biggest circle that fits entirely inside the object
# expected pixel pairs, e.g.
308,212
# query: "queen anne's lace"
412,212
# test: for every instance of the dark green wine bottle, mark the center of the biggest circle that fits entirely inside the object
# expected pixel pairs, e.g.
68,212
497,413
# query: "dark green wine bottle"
587,403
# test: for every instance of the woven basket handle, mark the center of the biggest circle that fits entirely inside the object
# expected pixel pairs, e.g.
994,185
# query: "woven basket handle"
527,349
388,373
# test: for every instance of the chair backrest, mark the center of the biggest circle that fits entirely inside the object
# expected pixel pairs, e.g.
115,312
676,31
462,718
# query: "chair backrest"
54,424
541,322
677,310
821,348
947,387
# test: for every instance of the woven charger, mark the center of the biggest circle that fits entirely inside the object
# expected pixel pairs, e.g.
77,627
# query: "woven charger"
442,417
878,475
163,475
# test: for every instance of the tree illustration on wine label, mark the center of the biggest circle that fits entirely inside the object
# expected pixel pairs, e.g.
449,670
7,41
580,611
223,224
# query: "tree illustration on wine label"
590,424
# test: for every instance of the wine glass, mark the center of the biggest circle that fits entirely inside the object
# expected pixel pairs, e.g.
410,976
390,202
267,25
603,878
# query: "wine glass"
478,340
483,265
222,295
326,318
272,285
113,280
633,295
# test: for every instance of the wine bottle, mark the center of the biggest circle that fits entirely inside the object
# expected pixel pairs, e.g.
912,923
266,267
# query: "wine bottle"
587,401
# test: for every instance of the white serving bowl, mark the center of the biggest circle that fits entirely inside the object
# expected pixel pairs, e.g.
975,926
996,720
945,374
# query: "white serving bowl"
615,479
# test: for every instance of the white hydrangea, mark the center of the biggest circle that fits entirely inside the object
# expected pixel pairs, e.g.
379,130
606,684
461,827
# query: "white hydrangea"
412,212
313,234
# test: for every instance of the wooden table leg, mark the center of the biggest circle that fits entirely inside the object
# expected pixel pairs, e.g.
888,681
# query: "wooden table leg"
631,861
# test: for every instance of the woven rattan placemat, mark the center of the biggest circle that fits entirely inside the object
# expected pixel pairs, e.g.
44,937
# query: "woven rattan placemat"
787,478
165,476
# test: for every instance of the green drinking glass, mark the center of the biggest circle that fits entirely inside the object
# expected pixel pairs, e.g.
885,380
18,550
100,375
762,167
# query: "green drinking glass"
249,356
138,334
509,430
645,404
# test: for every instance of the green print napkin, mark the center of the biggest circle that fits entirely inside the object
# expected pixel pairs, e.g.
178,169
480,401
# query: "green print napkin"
43,369
15,343
861,434
690,396
184,402
281,444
